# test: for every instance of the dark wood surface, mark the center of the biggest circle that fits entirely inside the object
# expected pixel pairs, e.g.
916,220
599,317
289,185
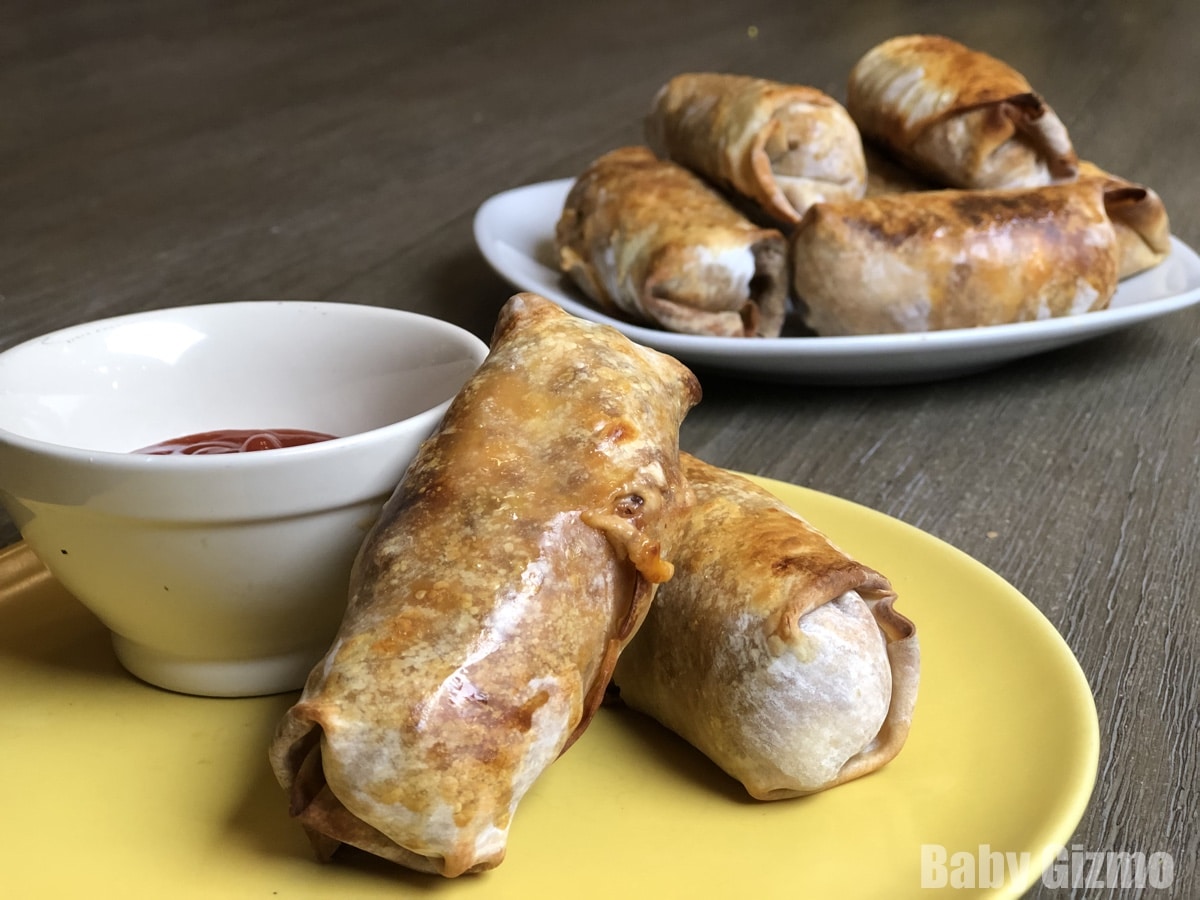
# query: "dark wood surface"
158,154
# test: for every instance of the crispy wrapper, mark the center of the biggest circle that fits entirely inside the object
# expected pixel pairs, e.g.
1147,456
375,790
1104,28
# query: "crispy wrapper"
1139,216
771,650
490,601
960,117
931,260
650,241
782,147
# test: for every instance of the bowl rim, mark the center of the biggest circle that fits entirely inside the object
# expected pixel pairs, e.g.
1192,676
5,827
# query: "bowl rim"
118,460
473,348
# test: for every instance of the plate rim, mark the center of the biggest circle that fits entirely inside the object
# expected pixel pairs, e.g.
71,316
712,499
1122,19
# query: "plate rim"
1059,329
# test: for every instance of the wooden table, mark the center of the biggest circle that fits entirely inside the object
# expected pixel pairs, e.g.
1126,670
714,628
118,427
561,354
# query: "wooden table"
181,152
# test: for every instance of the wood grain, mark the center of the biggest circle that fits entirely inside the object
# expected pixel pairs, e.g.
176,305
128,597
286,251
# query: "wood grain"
188,152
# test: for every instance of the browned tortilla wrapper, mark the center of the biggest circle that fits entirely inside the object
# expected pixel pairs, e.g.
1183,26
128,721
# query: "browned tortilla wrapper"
961,117
771,650
1139,217
782,147
489,603
648,240
931,260
1138,214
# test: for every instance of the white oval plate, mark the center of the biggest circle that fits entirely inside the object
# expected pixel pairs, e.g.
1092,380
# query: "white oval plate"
515,233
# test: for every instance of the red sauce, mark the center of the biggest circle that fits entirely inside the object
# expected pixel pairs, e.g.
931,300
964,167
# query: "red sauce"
235,441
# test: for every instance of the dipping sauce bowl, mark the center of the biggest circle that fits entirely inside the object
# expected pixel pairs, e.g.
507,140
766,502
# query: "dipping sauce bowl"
219,574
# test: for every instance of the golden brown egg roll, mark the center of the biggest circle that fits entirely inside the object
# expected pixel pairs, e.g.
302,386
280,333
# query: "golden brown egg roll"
771,650
1139,216
961,117
648,240
490,601
782,147
931,260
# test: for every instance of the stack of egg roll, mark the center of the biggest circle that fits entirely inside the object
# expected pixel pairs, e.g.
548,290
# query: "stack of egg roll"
979,211
947,193
520,563
687,234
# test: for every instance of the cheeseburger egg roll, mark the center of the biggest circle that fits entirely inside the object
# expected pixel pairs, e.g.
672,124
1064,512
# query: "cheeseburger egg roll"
780,147
649,241
771,650
489,603
932,260
961,117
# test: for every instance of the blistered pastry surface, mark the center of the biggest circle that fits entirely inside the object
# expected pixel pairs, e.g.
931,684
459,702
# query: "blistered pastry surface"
772,650
780,146
651,241
933,260
488,602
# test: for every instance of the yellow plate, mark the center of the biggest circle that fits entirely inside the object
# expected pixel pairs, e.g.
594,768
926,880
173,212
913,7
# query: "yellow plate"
114,788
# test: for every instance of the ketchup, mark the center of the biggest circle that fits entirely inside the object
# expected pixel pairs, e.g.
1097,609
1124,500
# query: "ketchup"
235,441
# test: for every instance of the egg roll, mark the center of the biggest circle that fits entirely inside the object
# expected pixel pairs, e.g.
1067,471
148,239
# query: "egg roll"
492,597
932,260
772,651
781,147
649,241
960,117
1139,216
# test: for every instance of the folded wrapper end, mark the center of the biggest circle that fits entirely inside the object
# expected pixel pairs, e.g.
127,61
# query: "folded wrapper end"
1143,229
326,821
787,195
1139,217
904,658
760,174
680,317
1032,118
1048,133
300,773
904,654
1119,196
760,314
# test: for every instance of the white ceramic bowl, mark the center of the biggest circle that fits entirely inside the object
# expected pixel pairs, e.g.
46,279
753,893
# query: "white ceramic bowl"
221,575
